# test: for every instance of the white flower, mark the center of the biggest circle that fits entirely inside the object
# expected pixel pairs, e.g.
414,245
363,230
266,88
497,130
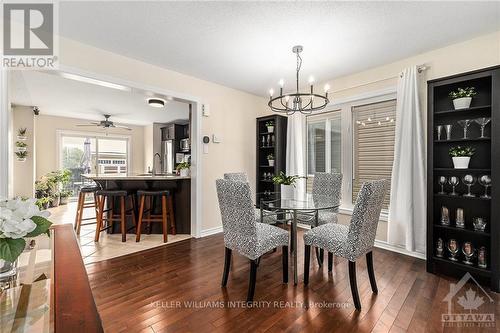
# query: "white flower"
15,217
16,228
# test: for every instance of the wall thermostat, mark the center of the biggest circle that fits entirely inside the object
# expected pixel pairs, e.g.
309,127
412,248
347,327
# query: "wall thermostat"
206,139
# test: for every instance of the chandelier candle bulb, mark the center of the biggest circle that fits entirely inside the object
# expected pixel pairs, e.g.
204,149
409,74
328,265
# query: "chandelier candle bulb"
271,92
281,83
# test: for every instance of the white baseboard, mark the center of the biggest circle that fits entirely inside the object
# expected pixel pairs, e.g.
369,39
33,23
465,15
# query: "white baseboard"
211,231
386,246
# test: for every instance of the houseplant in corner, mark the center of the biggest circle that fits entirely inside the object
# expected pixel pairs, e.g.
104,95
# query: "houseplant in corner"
19,220
183,169
462,97
287,184
270,159
461,156
270,126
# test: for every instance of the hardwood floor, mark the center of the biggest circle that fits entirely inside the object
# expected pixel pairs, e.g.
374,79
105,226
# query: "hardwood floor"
176,288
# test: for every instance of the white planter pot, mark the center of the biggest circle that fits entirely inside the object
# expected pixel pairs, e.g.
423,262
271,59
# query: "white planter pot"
21,159
461,162
22,137
287,191
184,172
271,162
22,148
270,129
462,103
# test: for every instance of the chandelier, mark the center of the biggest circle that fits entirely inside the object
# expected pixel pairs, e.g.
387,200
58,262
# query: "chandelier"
303,102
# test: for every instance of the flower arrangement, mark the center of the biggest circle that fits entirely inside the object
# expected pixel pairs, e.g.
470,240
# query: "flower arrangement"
463,92
20,219
283,179
459,151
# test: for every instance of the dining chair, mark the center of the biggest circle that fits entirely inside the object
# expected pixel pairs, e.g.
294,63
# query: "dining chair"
324,183
243,234
354,240
242,177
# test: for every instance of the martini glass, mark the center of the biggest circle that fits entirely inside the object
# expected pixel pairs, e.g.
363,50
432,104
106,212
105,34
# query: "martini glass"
465,123
485,180
482,122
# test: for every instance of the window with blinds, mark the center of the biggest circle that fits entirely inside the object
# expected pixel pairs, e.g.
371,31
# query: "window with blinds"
324,142
373,143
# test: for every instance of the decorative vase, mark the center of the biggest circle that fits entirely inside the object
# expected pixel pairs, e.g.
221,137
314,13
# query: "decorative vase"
461,162
271,162
462,103
184,172
270,129
8,272
287,191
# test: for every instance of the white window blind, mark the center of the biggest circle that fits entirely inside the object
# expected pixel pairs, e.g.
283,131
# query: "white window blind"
373,143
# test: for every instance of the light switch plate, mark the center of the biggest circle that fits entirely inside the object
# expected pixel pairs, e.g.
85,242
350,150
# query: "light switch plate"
216,138
205,110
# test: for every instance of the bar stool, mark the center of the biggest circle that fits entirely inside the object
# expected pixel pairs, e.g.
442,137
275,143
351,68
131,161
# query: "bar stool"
109,196
167,212
82,204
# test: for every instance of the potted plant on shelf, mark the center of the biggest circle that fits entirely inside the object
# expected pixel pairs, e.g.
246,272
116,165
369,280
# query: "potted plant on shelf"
21,146
270,159
287,184
462,97
461,156
21,133
270,127
183,169
21,155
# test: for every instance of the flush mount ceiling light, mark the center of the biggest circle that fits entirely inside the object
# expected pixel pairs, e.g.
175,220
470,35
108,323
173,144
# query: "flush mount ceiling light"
156,102
303,102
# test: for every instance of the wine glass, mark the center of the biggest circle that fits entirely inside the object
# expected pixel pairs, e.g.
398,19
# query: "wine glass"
465,123
469,180
482,122
453,181
485,180
442,181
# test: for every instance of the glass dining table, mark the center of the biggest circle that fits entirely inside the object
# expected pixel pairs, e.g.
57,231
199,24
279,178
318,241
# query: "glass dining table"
293,209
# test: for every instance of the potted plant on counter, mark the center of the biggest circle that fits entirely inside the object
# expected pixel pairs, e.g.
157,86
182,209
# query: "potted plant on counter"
21,133
462,97
21,155
461,156
270,127
270,159
287,184
183,169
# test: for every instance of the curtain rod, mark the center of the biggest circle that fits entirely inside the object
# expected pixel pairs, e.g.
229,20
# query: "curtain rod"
420,69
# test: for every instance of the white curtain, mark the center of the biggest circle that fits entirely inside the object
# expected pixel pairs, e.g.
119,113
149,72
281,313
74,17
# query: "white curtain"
295,150
407,211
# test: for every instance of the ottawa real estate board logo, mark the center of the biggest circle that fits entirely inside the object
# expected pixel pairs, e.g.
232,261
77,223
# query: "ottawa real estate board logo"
29,35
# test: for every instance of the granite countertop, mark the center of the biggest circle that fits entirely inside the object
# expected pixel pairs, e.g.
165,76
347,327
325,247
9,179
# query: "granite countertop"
133,177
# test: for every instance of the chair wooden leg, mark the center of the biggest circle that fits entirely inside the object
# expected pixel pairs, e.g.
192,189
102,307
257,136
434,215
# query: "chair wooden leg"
132,211
227,266
96,205
171,215
100,199
284,259
164,217
354,285
148,215
139,223
319,256
330,261
307,262
79,212
371,272
253,277
123,220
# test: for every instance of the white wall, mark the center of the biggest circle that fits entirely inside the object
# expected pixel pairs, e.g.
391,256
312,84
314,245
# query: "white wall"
23,173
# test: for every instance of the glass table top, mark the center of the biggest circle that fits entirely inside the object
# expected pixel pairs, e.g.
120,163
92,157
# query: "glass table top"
299,201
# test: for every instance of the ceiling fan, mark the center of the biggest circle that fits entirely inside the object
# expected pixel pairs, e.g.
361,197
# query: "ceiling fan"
106,123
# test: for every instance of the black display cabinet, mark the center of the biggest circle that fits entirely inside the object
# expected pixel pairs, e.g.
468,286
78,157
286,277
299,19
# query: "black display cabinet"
270,143
485,161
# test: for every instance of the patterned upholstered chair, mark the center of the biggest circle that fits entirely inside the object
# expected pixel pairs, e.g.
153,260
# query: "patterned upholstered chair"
242,232
353,241
324,183
242,177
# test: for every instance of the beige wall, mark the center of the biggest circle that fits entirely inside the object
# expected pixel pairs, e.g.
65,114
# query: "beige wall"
232,115
23,173
46,140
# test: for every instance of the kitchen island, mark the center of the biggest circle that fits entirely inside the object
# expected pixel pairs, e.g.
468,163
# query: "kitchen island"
179,187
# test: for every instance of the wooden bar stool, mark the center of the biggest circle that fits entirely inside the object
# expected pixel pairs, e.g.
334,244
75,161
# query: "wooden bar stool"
82,204
167,212
110,196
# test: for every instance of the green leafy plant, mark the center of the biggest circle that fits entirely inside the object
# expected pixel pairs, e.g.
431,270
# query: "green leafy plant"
182,165
65,193
463,92
20,144
283,179
22,131
43,203
270,157
269,123
459,151
21,154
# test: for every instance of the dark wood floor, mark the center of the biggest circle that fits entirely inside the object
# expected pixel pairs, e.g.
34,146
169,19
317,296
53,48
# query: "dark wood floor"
138,293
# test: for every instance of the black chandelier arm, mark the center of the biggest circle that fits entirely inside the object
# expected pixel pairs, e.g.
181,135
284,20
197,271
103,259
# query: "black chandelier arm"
292,111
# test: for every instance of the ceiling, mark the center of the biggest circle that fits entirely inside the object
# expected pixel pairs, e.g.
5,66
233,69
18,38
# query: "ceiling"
247,45
58,96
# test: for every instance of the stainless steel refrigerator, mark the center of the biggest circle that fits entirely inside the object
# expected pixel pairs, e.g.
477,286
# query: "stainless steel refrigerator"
167,152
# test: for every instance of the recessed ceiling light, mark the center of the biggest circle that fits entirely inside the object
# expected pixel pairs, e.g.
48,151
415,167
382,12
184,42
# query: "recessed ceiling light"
156,102
101,83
